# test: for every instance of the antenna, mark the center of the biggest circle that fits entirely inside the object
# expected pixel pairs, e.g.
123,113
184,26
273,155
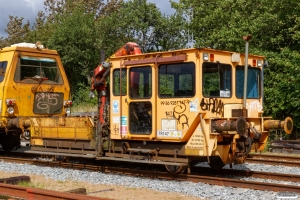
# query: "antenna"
190,37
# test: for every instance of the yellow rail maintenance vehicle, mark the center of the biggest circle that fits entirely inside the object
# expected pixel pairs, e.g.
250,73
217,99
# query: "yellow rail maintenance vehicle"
173,108
34,94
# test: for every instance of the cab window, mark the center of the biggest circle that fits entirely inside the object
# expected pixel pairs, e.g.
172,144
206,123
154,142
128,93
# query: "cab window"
177,80
116,82
140,81
216,80
3,66
253,82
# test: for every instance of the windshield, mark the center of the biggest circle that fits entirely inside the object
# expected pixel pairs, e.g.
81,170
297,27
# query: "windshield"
37,70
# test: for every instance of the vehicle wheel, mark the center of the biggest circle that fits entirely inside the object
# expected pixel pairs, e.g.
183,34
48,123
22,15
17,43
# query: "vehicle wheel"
216,163
62,158
7,146
174,169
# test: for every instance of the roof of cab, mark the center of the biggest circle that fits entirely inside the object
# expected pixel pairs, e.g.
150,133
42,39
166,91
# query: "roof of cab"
201,50
28,47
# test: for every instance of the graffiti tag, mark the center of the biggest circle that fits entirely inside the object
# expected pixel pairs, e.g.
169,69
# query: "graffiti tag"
212,104
46,100
254,105
178,114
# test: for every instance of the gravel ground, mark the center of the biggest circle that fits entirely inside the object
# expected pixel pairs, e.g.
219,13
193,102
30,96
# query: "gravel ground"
197,190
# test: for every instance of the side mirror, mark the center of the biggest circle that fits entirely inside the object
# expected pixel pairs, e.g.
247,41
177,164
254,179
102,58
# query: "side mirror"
91,95
266,64
91,74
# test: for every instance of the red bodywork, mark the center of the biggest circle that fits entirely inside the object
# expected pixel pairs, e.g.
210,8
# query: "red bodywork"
129,48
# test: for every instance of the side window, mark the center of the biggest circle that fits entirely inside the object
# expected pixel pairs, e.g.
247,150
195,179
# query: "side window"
3,66
177,80
216,80
253,82
140,82
140,117
116,82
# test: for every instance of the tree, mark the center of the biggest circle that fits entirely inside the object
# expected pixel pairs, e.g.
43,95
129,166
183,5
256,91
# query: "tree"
221,23
3,42
274,25
169,33
16,30
143,23
74,39
282,85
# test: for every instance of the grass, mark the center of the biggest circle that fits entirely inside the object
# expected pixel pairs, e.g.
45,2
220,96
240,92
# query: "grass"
84,108
26,184
267,146
31,185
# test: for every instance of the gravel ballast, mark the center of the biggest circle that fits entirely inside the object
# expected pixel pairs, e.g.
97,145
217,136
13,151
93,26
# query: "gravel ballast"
200,190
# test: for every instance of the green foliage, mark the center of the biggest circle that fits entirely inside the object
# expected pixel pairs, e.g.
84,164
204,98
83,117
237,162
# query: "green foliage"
222,23
79,29
16,30
169,33
281,85
26,184
141,22
82,96
274,26
267,146
166,84
74,39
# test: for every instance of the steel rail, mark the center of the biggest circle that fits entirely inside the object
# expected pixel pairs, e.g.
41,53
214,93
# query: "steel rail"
230,182
247,173
291,161
15,180
34,193
233,182
276,157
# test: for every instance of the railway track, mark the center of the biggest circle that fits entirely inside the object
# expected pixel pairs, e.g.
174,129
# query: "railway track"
34,193
274,159
209,179
248,173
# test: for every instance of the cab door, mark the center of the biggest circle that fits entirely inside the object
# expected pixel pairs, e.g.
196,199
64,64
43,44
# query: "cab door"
141,102
3,66
132,108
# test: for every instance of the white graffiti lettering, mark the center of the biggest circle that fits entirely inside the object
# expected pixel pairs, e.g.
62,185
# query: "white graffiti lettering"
254,106
45,100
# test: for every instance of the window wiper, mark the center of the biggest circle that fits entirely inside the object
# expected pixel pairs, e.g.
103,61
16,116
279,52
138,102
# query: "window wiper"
39,79
52,87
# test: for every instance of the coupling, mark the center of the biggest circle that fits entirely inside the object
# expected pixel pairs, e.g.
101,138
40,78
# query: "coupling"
286,125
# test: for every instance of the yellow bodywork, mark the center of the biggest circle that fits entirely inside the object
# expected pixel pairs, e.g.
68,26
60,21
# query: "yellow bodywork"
31,94
183,103
179,119
23,93
74,128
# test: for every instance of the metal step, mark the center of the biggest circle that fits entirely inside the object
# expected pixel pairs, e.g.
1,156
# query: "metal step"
142,161
141,150
61,154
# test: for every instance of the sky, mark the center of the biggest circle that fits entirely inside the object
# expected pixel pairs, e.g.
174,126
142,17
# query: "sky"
28,9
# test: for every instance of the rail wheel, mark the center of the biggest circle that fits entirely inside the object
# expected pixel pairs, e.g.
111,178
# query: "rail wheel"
62,158
174,169
10,142
216,163
7,147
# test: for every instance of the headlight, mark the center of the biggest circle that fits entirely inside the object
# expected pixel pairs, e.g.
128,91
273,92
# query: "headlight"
10,110
68,110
